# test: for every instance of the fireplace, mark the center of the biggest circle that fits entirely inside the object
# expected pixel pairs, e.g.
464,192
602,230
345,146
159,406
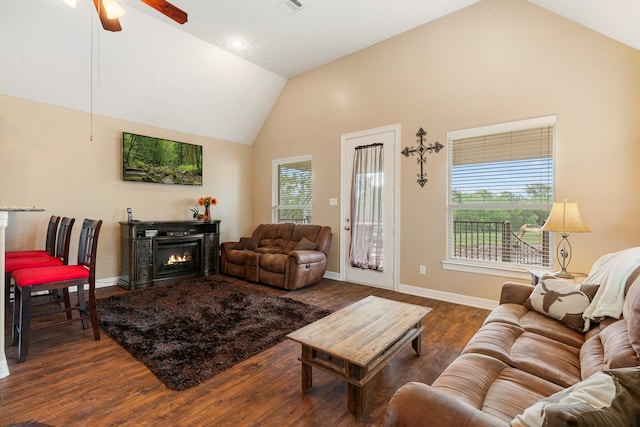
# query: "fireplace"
177,256
155,252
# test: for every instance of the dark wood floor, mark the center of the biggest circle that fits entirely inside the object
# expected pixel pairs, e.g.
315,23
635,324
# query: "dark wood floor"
69,379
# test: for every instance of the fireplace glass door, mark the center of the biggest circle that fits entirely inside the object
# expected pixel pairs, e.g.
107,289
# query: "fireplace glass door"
177,256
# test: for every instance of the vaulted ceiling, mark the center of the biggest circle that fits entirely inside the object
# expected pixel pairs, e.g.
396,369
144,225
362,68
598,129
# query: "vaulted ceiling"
288,39
193,78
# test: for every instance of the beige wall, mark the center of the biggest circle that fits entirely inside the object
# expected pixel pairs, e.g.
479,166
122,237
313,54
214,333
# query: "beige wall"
493,62
48,160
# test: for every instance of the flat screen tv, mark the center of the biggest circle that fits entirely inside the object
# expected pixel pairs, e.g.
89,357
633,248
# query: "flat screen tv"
149,159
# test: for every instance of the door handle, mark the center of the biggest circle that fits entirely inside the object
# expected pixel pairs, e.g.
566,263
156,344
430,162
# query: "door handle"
346,227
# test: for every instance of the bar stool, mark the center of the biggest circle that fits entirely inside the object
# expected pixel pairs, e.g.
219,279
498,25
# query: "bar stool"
60,277
61,257
50,243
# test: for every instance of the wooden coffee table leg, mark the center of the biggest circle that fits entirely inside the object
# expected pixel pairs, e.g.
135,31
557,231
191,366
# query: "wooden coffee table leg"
307,374
356,400
417,343
356,395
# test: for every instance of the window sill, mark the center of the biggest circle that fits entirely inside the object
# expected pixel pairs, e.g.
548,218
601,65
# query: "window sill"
519,273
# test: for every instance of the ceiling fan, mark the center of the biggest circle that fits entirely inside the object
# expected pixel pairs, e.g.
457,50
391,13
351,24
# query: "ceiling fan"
109,11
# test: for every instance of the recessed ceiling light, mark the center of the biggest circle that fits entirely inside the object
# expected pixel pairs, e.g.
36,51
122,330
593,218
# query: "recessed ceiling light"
238,43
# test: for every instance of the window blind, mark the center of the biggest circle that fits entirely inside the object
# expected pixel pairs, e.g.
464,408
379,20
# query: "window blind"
509,167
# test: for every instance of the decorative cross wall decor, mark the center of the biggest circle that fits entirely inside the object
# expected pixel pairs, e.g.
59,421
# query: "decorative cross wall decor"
421,150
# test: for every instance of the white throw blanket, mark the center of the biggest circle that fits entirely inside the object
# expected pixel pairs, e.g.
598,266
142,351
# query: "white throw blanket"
611,272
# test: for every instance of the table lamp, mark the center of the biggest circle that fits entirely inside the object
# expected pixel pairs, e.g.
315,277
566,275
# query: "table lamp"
565,218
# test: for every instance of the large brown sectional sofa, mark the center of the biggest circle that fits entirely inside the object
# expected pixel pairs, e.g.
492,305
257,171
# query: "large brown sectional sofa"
520,358
287,256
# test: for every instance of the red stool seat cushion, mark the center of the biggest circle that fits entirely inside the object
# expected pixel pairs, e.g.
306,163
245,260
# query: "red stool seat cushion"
42,275
25,254
14,264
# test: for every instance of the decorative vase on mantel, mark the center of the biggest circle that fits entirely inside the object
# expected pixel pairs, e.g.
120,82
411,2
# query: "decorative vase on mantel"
207,216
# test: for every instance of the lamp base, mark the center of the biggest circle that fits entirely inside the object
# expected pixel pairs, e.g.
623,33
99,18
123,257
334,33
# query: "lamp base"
564,274
563,253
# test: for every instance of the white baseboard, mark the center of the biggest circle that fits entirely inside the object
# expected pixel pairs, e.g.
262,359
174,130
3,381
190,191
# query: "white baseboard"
106,282
486,304
332,275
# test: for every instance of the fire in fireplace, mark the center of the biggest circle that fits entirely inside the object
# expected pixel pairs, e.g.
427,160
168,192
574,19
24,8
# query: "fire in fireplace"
178,256
178,260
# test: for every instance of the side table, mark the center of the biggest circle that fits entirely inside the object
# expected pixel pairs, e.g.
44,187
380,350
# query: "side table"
537,275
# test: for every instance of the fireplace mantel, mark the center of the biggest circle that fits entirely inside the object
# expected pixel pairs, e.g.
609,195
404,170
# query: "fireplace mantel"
140,240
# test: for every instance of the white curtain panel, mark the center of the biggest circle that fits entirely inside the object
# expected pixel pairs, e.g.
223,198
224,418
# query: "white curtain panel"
366,249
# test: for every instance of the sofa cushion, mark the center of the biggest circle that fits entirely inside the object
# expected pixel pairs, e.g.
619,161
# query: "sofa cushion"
247,243
562,300
609,349
536,354
275,263
236,256
273,236
532,321
269,250
492,386
305,245
608,398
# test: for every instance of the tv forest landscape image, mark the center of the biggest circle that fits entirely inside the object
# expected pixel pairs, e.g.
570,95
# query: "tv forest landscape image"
149,159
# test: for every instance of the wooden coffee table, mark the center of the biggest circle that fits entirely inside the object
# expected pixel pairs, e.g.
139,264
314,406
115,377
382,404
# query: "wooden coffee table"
355,343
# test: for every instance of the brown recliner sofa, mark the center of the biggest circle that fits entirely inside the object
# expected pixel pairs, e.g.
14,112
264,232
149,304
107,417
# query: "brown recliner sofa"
287,256
519,358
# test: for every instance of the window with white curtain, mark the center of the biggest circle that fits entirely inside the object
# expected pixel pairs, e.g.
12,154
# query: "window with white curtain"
292,185
501,183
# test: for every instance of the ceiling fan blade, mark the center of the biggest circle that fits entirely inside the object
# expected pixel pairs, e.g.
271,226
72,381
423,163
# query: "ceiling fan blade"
166,8
107,24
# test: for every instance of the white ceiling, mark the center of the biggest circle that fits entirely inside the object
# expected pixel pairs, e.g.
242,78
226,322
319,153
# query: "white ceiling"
187,78
324,30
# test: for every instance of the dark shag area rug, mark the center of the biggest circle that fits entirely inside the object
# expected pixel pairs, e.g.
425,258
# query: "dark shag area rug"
188,332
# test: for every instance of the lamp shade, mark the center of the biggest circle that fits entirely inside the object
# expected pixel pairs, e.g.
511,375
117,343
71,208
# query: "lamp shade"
565,218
